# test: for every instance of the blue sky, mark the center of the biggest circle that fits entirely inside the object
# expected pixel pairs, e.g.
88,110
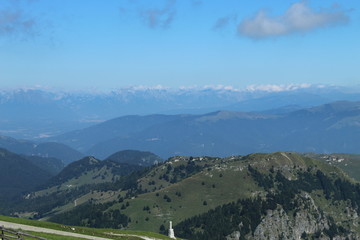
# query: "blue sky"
97,44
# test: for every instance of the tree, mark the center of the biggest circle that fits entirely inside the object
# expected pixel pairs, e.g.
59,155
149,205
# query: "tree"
162,228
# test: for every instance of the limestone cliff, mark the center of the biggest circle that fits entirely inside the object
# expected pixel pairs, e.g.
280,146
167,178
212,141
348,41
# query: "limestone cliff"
306,221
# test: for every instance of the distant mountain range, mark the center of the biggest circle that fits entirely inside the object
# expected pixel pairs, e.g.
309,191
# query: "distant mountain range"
327,128
214,121
39,113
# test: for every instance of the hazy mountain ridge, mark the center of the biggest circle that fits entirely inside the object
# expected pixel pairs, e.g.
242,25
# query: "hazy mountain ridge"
326,128
49,164
122,126
45,149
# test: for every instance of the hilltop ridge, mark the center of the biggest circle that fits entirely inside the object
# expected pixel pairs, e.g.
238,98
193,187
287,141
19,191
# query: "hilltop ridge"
295,189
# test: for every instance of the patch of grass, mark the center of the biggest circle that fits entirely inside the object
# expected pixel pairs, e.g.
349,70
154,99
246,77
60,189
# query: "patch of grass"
31,222
53,236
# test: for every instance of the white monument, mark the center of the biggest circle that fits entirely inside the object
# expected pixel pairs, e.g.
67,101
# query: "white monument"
171,231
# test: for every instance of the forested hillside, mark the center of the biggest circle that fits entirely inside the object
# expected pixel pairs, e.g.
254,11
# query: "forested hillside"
238,197
18,175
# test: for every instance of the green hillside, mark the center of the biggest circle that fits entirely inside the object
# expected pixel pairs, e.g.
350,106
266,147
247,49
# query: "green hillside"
218,181
91,170
194,190
83,181
237,197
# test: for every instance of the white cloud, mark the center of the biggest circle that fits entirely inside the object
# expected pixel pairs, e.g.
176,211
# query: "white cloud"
277,88
226,88
220,87
298,18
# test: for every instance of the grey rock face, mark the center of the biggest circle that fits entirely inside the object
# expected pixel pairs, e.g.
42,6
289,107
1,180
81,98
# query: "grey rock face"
234,236
306,219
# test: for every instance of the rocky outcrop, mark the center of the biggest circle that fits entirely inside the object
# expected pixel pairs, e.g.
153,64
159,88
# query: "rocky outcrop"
306,220
234,236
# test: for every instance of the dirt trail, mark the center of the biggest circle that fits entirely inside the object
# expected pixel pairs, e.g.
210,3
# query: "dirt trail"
62,233
130,235
46,230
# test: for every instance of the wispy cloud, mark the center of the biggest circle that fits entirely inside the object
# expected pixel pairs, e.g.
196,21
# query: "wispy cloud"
298,18
196,3
16,23
159,17
223,22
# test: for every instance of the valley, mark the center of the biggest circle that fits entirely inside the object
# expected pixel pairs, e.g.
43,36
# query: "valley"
324,129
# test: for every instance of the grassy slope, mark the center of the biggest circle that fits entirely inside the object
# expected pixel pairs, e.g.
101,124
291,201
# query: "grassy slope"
94,176
97,175
350,163
229,188
219,182
226,180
